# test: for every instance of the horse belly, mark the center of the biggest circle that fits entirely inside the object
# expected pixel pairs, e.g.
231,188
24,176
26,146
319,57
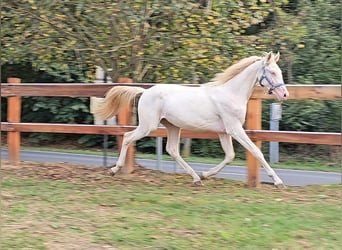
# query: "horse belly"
193,115
198,125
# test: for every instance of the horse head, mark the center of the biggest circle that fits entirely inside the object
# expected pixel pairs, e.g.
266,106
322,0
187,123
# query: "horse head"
270,76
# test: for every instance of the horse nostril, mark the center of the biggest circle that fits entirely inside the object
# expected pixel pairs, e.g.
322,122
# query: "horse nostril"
285,95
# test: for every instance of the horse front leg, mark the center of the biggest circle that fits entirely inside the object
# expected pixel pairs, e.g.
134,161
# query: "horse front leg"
240,135
227,146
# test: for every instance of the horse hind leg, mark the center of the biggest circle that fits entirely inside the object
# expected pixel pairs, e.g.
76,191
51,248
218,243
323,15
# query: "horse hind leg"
172,147
148,121
128,139
227,146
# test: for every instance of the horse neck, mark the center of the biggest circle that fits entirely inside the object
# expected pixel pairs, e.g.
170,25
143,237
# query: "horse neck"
243,84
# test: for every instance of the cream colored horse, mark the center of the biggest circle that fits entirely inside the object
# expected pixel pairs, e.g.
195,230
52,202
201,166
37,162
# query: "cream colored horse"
218,106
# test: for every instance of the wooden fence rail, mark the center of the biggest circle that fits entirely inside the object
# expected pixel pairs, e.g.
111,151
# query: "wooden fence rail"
13,91
297,92
322,138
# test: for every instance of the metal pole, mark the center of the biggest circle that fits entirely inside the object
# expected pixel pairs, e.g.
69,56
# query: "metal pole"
105,136
159,151
275,116
105,146
274,146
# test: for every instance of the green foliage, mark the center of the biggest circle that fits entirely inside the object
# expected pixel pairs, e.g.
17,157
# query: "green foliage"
56,109
306,115
207,148
97,140
319,59
316,116
148,145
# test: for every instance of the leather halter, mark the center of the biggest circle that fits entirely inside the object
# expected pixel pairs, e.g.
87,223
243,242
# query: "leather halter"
270,83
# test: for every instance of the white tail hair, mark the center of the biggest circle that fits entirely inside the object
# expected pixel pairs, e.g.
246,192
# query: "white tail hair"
115,99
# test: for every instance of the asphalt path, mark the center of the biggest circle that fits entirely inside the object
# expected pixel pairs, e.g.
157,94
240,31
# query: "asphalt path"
290,177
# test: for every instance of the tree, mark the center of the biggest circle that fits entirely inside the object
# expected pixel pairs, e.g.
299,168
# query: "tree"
168,40
319,59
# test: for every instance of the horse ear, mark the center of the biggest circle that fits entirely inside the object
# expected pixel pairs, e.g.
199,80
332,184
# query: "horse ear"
276,58
269,56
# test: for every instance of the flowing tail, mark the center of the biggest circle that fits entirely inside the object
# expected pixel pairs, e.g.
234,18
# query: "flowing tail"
116,98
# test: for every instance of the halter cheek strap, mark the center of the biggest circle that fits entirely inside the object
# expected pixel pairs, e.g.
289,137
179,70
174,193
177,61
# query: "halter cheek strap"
264,76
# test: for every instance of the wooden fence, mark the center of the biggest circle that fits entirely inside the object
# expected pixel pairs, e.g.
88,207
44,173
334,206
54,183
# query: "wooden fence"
14,90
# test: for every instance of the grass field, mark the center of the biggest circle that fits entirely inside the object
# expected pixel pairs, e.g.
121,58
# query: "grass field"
54,206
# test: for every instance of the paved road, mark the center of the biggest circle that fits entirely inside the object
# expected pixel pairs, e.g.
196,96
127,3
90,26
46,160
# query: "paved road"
290,177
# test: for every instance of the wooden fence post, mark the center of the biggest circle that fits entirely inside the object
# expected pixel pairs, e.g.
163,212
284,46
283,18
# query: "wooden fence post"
254,113
13,115
125,118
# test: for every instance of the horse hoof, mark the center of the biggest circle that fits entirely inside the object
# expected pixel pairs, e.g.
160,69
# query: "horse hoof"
198,183
280,186
201,176
111,173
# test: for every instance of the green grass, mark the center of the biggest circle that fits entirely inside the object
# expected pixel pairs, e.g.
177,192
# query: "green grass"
314,165
49,206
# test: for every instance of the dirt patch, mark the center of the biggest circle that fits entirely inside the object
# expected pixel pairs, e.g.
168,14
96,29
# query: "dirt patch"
54,171
80,173
100,176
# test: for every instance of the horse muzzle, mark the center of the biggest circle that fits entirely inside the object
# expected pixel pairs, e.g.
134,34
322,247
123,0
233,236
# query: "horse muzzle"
280,92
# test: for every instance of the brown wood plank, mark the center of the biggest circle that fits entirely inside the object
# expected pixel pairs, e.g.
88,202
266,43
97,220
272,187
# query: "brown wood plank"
14,115
66,128
61,89
298,92
305,92
254,113
262,135
94,129
322,138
